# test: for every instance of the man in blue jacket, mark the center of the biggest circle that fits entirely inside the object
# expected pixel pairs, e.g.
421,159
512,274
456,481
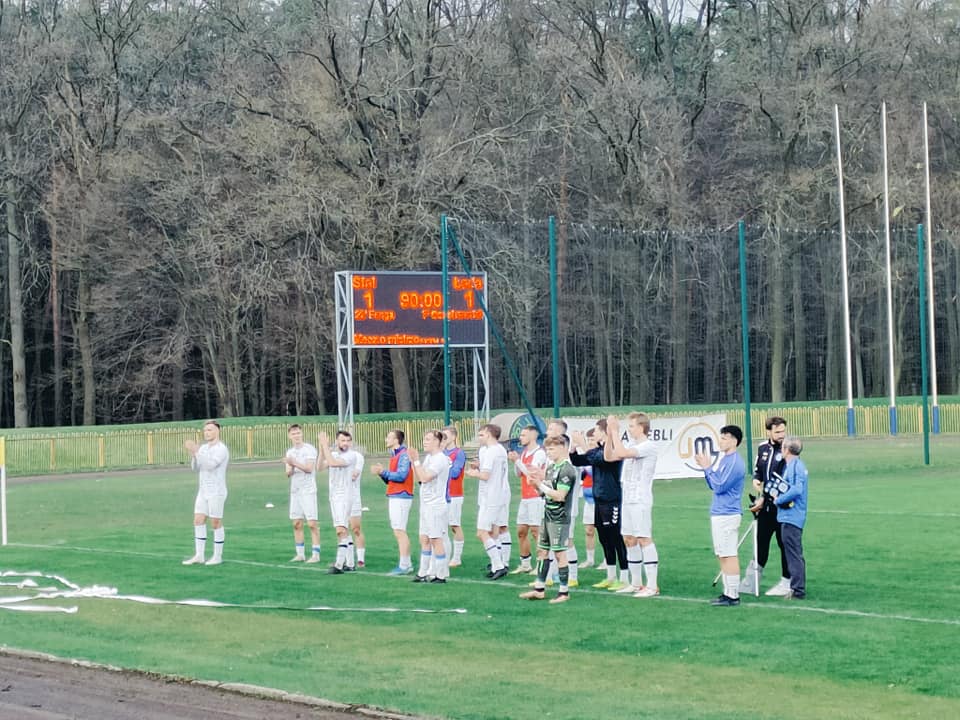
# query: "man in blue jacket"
792,515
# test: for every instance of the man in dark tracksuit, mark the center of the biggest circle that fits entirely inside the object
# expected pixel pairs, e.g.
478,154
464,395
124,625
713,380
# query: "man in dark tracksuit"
767,475
607,500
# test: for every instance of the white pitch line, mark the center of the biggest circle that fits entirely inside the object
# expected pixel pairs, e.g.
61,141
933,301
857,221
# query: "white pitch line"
894,513
788,606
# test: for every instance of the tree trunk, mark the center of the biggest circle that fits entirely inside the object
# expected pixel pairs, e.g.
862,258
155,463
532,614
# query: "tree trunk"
401,380
777,319
86,351
17,349
799,333
679,317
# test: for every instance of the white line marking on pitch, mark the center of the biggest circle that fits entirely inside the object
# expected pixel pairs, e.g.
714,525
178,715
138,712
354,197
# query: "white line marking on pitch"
775,606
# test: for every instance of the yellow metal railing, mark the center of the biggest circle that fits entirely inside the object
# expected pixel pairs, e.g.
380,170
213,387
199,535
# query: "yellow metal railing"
161,446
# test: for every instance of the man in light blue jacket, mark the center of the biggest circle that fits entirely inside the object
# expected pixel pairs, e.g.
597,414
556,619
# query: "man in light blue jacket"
791,505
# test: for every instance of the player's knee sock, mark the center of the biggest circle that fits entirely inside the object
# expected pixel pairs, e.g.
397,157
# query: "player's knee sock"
493,552
218,536
731,586
361,554
543,569
590,556
315,550
564,574
457,550
440,568
651,565
351,553
299,548
447,547
635,565
200,539
341,553
505,547
573,562
406,562
525,561
426,558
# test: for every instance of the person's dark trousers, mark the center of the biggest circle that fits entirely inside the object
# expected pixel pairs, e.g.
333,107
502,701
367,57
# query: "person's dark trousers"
793,549
607,520
767,527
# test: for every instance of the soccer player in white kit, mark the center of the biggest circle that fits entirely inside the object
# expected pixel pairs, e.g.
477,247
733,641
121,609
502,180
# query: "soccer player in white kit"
210,460
639,456
300,464
357,544
433,474
493,496
342,463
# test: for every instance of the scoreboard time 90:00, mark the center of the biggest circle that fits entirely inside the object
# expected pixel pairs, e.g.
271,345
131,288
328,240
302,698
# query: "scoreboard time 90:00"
406,309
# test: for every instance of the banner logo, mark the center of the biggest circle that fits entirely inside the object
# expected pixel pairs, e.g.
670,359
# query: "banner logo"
697,438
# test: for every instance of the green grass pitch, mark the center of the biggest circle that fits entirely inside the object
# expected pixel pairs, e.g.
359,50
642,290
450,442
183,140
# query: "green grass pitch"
878,636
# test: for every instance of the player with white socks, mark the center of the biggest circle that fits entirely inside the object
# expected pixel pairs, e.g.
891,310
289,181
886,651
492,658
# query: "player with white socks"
433,474
210,460
493,496
530,510
300,464
357,543
639,456
725,479
458,460
342,463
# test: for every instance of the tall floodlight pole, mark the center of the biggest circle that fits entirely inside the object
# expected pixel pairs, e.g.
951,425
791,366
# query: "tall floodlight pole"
851,427
930,314
554,321
745,334
445,282
923,343
891,376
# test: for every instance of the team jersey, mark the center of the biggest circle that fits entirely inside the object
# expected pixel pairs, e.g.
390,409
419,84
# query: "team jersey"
459,463
399,474
211,462
341,478
637,473
434,492
300,480
562,476
495,490
770,467
529,458
586,485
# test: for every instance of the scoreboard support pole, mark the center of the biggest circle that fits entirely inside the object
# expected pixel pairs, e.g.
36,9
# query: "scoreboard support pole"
417,310
344,314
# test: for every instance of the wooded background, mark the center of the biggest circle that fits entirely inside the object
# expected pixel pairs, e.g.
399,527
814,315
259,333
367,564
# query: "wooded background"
180,181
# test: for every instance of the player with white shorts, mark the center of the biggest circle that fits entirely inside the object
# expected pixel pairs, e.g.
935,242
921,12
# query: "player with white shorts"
342,463
530,509
493,496
300,464
210,460
639,456
433,474
357,545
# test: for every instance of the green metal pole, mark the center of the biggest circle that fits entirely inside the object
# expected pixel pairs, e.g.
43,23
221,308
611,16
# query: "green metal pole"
747,432
923,344
554,322
446,329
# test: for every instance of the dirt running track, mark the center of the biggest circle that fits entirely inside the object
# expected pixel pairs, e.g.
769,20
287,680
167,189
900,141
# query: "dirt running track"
36,689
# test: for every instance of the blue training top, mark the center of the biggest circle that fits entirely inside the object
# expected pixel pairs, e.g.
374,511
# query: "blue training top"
726,481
